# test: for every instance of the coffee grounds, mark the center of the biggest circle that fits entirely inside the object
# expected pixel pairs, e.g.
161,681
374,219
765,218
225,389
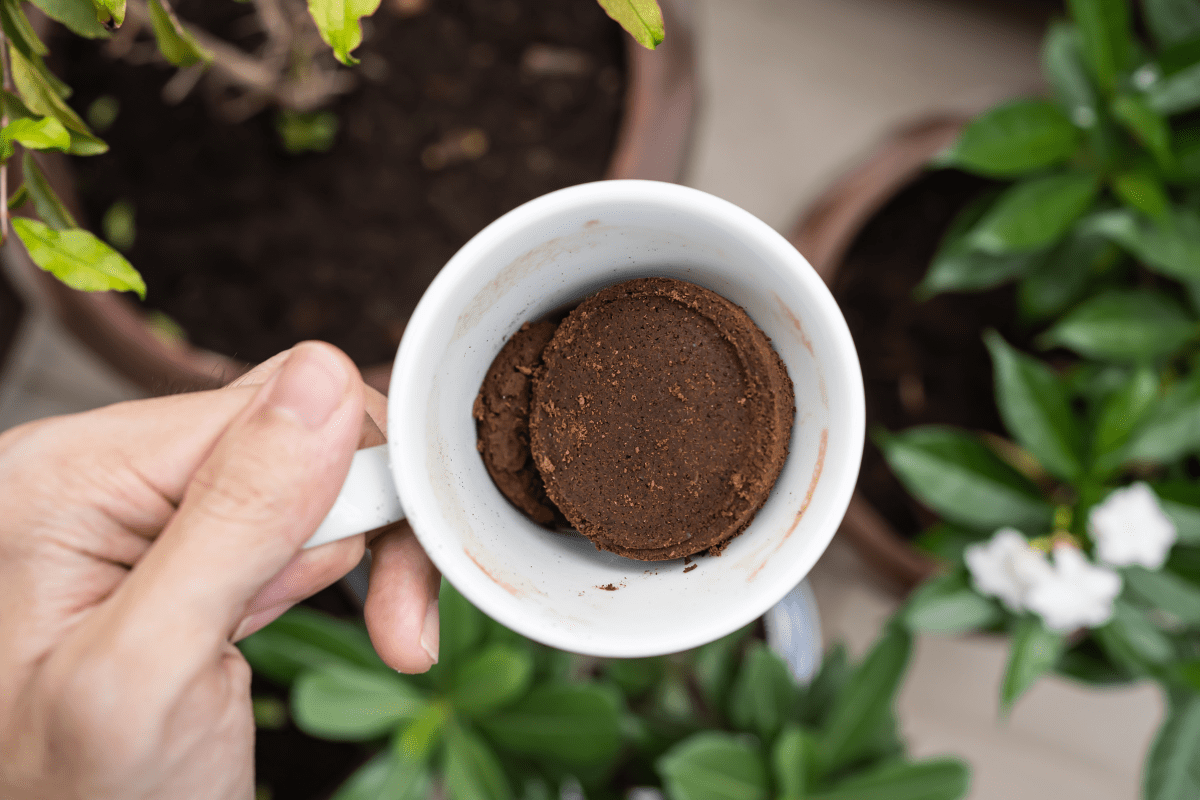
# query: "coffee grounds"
502,415
661,419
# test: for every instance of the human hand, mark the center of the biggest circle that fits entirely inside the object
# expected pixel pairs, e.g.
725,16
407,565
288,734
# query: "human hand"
138,541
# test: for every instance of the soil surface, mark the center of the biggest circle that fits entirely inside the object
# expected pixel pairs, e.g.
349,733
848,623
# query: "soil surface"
923,362
251,249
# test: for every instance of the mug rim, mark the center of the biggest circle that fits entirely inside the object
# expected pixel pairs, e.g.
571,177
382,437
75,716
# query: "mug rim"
445,294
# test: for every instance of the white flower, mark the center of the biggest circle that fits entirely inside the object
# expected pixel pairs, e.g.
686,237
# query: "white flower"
1077,594
1007,567
1129,527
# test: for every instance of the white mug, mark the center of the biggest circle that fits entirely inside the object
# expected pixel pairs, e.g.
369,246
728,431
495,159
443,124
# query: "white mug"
545,255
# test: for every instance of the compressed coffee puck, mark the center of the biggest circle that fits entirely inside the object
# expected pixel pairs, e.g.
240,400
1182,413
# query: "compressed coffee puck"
501,414
660,420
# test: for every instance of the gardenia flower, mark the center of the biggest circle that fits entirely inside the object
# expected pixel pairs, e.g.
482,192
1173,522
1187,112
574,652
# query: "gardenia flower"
1006,567
1130,527
1077,594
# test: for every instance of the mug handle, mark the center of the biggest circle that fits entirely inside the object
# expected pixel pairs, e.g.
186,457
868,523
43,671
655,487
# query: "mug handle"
367,501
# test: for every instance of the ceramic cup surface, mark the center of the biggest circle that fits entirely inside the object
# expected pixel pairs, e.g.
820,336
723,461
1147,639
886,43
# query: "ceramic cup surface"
549,254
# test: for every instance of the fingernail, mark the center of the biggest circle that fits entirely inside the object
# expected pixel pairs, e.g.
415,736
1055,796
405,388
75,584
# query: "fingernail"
430,631
310,385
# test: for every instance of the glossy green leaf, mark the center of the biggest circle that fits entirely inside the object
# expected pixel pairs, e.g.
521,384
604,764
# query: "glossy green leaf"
20,32
1032,653
1120,416
46,133
1165,591
471,769
1175,93
865,701
18,198
421,735
339,24
1181,501
716,665
578,724
1104,30
1172,769
1036,409
77,258
1172,428
176,43
304,639
641,18
1061,277
1063,65
1013,139
39,98
794,762
940,779
763,693
385,775
1146,124
491,679
1034,213
352,704
958,267
713,765
113,10
947,605
1171,248
78,15
49,207
1142,191
954,474
1172,21
1130,326
1132,641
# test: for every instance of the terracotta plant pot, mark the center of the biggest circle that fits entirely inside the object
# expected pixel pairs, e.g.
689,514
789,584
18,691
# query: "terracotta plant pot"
651,144
824,235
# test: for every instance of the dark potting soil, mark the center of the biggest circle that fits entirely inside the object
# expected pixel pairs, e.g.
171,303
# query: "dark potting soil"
251,249
923,362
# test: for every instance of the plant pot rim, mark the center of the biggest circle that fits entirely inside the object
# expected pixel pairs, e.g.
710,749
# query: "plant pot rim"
824,234
652,142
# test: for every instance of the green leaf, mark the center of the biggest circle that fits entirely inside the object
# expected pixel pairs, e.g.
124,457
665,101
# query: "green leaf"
303,639
1107,43
954,474
713,765
1063,65
1171,248
417,740
716,665
1172,21
352,704
947,605
1036,409
1012,139
41,99
763,693
940,779
20,33
641,18
1120,416
471,769
1175,93
49,207
865,701
311,132
1181,502
794,761
175,42
113,10
1087,663
338,23
1172,428
946,542
78,259
1132,641
1141,326
826,686
1173,766
78,15
46,133
491,679
18,198
385,775
634,676
1142,191
578,724
1061,277
1033,652
1165,591
461,628
1146,124
1034,213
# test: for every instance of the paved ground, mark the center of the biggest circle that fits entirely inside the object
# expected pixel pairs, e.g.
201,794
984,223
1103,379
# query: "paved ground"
795,91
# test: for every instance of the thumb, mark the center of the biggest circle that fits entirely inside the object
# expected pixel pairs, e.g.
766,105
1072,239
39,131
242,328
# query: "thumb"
269,481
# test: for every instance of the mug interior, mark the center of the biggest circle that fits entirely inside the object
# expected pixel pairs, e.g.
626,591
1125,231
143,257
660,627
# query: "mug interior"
551,253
